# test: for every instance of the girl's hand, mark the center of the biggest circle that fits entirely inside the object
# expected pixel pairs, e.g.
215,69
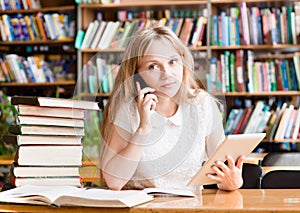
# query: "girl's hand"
229,176
146,101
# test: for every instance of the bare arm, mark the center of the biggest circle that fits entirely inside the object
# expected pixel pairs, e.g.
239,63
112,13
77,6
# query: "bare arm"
123,152
120,158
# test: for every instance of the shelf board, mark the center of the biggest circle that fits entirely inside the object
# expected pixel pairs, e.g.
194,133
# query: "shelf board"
282,140
248,1
108,50
258,47
46,9
90,95
46,84
112,50
47,42
147,4
248,94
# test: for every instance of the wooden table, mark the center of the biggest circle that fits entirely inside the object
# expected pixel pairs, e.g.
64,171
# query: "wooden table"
209,201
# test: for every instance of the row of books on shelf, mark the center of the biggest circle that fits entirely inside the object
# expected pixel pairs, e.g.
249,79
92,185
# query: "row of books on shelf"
256,26
39,26
102,34
20,69
19,4
98,1
280,120
99,77
239,71
128,15
48,134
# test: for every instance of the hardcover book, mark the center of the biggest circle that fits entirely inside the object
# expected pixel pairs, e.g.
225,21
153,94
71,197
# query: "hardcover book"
44,171
54,102
41,139
45,130
49,121
60,112
47,155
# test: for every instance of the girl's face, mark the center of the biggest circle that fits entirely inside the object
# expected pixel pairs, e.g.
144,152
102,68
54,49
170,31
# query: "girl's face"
162,68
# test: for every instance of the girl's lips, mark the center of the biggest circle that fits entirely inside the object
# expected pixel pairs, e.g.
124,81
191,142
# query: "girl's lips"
168,85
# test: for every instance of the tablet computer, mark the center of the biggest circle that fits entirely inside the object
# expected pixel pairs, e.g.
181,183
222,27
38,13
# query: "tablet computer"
234,145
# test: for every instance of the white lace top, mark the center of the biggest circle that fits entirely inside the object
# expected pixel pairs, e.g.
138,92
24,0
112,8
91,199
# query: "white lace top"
178,145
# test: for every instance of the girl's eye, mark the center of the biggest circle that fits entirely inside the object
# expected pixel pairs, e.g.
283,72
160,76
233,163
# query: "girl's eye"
153,67
173,61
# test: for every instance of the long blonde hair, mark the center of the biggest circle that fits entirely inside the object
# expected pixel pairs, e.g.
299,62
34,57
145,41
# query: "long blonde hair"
124,86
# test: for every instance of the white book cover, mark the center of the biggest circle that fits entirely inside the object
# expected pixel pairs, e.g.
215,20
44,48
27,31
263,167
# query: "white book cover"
105,36
98,35
93,33
283,123
296,126
87,35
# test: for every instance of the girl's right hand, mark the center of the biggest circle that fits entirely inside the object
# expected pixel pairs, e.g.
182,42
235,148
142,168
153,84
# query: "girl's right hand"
146,102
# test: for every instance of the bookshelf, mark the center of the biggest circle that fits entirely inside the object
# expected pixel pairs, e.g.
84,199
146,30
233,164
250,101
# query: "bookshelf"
49,47
271,50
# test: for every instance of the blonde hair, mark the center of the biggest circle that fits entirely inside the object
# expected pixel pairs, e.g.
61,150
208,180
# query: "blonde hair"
124,87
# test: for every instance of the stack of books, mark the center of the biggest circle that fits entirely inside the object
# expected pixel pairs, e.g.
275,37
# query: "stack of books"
48,134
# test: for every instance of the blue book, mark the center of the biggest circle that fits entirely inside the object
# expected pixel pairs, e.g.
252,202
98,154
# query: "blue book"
7,5
29,73
294,77
237,29
259,30
278,24
284,76
224,23
215,30
79,39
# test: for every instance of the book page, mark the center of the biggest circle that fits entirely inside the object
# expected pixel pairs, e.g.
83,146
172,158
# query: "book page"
45,194
96,197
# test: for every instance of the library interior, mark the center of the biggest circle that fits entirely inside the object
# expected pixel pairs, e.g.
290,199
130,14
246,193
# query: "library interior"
58,66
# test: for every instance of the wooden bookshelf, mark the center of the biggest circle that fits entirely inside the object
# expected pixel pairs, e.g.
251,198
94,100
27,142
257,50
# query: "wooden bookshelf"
44,10
61,46
87,13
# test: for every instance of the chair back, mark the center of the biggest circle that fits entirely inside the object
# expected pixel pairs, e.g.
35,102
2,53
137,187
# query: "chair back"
281,179
281,159
252,175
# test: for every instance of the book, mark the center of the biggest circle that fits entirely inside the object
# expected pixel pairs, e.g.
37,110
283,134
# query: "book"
234,145
282,125
49,121
46,181
44,130
44,171
54,102
41,139
47,155
74,196
60,112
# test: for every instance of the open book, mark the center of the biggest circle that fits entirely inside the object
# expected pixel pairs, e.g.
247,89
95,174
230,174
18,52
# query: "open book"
234,145
90,197
74,196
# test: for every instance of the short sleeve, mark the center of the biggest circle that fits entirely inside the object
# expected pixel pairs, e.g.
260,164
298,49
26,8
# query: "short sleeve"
214,124
126,117
212,114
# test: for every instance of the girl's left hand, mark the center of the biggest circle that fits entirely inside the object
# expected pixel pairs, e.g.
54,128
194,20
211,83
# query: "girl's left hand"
229,176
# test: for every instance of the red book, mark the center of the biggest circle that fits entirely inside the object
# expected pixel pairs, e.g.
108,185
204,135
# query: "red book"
240,87
278,75
242,125
201,37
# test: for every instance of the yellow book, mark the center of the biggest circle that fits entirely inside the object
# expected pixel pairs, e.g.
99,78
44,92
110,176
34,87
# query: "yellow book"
30,31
